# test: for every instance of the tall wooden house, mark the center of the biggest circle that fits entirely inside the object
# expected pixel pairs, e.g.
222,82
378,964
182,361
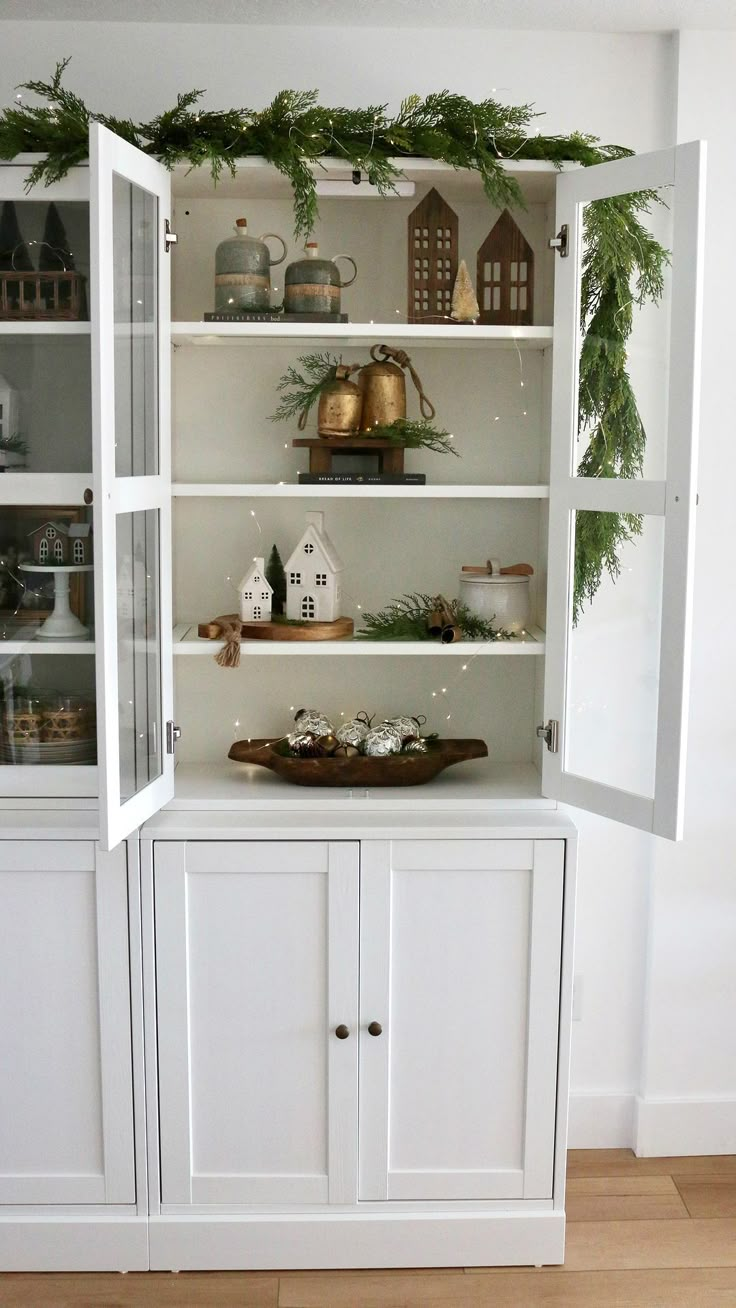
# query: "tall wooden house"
432,259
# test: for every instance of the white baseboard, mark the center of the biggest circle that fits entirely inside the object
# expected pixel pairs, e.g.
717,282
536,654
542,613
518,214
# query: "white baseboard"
663,1127
61,1243
601,1120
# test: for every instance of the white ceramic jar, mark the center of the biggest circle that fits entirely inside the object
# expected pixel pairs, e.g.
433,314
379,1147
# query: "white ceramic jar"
502,600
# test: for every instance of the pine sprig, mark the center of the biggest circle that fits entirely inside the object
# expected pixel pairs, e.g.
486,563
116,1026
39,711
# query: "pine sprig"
300,390
406,619
413,435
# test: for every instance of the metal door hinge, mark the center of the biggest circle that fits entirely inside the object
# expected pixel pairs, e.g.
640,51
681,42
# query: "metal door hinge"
550,734
173,733
559,242
170,238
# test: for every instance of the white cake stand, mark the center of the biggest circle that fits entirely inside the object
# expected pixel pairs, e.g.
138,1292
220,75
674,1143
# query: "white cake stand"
62,624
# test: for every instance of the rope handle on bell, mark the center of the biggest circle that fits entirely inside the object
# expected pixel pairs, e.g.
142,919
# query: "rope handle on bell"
426,407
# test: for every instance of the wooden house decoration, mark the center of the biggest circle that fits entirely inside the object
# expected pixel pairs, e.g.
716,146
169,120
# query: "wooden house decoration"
61,544
255,594
505,280
432,259
313,576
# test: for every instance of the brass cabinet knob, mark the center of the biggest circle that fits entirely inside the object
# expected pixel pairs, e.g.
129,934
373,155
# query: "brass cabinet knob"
375,1029
342,1031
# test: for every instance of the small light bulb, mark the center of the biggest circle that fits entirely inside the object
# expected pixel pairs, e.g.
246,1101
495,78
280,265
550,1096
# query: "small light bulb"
464,668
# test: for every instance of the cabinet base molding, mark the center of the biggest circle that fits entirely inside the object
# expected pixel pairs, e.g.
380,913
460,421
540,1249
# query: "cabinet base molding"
56,1243
310,1242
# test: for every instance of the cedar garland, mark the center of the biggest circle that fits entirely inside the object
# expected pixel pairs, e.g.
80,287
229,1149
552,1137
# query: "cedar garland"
623,265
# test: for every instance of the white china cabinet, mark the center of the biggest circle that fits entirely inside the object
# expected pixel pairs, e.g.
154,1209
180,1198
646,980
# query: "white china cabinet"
354,1042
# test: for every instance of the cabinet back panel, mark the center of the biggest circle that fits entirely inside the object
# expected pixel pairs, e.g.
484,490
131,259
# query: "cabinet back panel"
223,398
373,231
493,699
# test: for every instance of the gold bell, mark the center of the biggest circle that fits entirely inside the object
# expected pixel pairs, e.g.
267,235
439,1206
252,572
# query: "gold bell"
340,405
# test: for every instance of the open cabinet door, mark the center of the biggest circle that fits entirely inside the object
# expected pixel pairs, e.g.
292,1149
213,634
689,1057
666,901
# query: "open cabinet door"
130,206
616,685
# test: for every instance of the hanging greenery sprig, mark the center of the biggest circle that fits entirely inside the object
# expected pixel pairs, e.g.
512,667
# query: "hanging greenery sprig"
623,264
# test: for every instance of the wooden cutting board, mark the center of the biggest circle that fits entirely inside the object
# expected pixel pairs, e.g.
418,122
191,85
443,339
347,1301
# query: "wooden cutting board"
340,629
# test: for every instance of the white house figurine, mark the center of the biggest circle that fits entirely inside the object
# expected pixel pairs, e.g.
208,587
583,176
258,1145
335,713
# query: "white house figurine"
255,594
313,576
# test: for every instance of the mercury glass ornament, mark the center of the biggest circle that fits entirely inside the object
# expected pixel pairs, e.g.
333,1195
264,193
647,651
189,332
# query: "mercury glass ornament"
327,744
353,732
407,726
415,745
314,721
346,751
303,744
382,741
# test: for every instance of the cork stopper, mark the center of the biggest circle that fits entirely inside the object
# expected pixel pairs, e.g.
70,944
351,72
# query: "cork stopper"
241,226
311,249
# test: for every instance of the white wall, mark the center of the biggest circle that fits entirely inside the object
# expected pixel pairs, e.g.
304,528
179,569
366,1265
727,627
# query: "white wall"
623,89
688,1092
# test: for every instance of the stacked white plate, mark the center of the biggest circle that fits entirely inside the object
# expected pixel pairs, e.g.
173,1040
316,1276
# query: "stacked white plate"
49,751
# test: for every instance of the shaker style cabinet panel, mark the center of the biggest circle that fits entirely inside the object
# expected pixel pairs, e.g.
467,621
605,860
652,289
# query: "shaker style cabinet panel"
460,968
66,1098
256,971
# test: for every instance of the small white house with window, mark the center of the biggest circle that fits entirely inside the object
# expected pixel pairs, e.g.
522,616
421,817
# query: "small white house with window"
313,576
255,594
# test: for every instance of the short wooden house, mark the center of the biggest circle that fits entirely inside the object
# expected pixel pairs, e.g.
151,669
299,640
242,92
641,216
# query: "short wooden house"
313,576
255,594
61,544
505,275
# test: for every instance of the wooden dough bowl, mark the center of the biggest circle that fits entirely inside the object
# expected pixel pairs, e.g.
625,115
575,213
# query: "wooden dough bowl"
396,770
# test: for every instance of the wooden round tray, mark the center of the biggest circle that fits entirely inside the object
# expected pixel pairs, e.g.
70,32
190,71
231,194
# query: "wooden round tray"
396,770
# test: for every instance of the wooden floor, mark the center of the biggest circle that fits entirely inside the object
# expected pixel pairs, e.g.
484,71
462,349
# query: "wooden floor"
642,1233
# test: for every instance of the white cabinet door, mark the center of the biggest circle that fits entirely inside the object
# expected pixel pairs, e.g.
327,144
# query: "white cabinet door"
256,969
460,966
66,1096
130,205
617,670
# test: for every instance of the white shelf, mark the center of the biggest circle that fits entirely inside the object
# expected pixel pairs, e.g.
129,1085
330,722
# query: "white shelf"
25,487
464,335
257,179
288,490
476,785
44,327
33,646
186,641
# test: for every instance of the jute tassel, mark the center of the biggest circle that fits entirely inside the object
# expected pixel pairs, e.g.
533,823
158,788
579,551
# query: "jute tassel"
229,655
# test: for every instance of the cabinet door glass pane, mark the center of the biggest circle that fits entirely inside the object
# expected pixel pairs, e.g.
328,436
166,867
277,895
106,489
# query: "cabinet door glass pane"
135,227
615,437
139,650
44,261
47,709
613,677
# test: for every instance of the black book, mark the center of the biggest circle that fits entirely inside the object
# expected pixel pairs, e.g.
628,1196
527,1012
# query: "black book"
270,315
361,479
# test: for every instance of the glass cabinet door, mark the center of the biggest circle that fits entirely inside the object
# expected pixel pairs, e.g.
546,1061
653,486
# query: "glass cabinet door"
130,388
618,659
48,744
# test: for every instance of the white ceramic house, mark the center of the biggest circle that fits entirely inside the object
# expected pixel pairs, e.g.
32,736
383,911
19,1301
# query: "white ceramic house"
313,575
255,594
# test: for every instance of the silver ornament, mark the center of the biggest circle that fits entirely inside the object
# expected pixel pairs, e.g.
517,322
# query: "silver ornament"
314,721
303,744
406,726
382,741
353,732
415,745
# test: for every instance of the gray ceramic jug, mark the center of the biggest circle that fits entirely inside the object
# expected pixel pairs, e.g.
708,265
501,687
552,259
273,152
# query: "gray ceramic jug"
242,270
312,285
